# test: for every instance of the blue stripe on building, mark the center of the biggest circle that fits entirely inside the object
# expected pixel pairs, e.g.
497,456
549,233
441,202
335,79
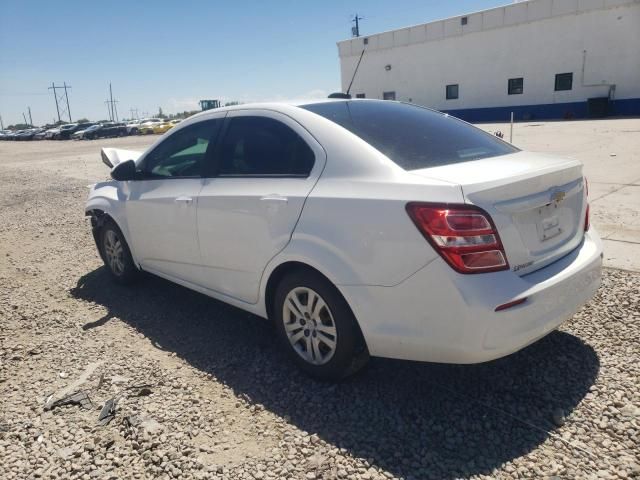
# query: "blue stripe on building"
550,111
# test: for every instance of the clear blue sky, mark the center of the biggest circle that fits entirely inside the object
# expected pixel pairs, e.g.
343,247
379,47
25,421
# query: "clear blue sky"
172,53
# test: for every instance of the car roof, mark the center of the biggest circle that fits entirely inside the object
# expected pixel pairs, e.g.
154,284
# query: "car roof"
279,105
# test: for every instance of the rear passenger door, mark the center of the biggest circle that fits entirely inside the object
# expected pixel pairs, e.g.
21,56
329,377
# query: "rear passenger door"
264,166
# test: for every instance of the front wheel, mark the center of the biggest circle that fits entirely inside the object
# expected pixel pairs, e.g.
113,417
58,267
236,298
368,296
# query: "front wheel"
317,327
116,254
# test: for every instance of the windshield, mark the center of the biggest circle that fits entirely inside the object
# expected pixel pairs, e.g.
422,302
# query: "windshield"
413,137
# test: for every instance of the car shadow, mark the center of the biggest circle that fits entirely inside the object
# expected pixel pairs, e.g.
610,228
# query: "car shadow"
413,419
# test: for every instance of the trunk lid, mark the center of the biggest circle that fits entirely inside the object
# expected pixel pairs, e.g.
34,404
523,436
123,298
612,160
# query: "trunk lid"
536,201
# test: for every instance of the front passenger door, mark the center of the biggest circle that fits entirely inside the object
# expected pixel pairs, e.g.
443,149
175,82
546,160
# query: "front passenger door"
161,206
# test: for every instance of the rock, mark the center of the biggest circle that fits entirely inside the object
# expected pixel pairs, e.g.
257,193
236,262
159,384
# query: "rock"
558,417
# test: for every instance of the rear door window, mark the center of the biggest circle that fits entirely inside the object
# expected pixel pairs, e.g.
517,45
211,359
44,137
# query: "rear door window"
411,136
261,146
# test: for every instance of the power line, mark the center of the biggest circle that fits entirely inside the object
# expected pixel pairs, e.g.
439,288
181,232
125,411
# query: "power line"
61,99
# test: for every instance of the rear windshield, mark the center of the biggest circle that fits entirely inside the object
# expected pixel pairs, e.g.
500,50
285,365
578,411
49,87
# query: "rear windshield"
412,136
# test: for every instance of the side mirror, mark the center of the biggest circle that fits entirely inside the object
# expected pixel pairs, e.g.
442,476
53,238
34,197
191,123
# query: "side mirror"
124,171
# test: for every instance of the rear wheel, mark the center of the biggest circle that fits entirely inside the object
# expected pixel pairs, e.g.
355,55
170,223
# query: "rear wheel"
317,327
116,254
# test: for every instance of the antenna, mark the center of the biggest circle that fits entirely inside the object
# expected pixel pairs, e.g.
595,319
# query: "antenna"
355,71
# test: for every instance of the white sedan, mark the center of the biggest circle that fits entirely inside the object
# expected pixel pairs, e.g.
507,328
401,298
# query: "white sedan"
359,227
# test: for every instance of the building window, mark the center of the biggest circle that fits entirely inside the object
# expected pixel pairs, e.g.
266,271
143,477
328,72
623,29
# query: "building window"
516,86
464,21
564,81
360,95
388,95
452,92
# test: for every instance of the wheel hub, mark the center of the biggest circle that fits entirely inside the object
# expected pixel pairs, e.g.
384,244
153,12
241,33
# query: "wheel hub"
309,325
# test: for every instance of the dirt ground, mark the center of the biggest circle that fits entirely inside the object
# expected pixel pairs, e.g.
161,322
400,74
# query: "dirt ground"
205,392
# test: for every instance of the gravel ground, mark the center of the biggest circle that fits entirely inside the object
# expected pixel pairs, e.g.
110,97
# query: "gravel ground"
204,392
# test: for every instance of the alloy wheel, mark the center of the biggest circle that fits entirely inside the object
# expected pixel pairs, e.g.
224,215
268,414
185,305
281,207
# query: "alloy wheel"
309,325
114,252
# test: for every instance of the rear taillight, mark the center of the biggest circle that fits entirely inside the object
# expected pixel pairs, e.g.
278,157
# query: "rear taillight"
463,235
587,222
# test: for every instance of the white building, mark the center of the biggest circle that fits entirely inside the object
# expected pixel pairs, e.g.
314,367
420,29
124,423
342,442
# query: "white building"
538,58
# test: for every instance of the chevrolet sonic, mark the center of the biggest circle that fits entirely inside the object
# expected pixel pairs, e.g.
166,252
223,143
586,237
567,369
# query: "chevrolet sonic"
359,227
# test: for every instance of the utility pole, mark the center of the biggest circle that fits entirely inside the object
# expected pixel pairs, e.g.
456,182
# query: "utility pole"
67,96
355,31
25,118
1,124
59,99
30,119
111,103
134,115
111,98
53,86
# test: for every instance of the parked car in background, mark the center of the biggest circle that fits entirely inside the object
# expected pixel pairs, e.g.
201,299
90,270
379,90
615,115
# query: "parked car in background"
80,134
147,126
67,130
4,134
359,227
12,134
40,135
28,134
132,127
107,130
165,126
49,134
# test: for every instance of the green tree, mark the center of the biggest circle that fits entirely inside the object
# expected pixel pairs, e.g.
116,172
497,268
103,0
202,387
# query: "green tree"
83,120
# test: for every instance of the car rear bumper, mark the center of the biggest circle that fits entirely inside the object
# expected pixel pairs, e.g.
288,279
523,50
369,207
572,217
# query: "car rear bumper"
438,315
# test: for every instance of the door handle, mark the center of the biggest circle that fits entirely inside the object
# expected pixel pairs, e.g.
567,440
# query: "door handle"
184,199
274,197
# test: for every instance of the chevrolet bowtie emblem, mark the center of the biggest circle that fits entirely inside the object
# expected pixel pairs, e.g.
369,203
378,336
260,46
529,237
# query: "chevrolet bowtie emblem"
558,196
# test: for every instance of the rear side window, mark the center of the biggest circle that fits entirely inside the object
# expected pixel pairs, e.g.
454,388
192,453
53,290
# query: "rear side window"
413,137
261,146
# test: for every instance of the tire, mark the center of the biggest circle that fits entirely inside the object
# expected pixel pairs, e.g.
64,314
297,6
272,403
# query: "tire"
325,340
116,254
